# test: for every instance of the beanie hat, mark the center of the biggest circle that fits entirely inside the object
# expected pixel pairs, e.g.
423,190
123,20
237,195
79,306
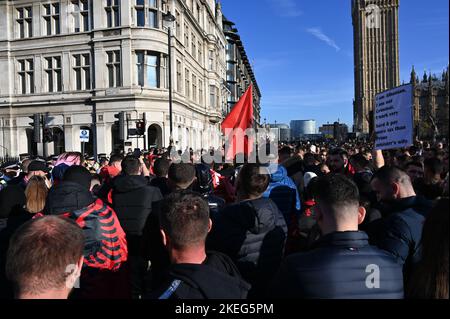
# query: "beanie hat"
79,175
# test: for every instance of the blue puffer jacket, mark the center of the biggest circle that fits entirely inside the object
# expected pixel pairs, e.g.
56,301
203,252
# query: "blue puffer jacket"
341,265
279,177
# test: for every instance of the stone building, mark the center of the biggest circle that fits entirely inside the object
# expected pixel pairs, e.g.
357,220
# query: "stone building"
65,57
431,105
376,54
239,72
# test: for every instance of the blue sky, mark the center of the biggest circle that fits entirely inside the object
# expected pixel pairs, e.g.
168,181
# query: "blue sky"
302,52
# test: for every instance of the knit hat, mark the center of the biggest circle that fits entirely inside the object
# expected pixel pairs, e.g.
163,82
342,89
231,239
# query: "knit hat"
79,175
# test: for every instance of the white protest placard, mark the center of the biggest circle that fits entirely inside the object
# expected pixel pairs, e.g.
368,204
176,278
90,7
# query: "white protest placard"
84,136
393,116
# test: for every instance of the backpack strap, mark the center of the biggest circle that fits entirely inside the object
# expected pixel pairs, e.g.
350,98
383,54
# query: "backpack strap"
170,291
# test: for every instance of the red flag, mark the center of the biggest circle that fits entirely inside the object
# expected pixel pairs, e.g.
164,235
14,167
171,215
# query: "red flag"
239,119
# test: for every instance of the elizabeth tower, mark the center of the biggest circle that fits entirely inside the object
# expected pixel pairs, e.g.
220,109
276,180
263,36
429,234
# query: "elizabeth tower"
376,55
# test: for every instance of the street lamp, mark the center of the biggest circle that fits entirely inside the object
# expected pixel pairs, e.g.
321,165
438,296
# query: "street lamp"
169,22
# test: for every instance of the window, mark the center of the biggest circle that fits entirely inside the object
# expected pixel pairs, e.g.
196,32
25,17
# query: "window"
51,18
178,25
113,65
112,13
200,92
211,60
53,73
187,80
140,13
217,97
26,76
194,46
80,12
82,69
164,71
151,64
212,96
198,13
151,69
200,53
146,15
186,36
153,14
140,57
24,22
194,88
179,76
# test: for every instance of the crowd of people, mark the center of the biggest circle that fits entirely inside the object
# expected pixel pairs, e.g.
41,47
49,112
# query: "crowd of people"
319,221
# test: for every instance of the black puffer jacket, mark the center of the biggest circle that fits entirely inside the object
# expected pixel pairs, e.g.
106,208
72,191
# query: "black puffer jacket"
216,278
400,230
340,266
133,199
253,233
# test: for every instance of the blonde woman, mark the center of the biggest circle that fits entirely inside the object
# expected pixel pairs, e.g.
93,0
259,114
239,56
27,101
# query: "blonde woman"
36,194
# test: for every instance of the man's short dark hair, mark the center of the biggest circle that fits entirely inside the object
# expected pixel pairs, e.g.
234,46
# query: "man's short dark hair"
309,157
131,165
181,173
392,174
360,160
252,180
184,218
115,158
434,165
338,151
413,163
41,253
161,167
336,191
286,150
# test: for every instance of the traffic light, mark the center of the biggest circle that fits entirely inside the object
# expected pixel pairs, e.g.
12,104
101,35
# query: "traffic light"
140,127
121,124
48,135
36,124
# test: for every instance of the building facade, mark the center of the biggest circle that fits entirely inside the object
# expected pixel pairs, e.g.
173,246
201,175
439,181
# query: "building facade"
376,55
63,58
431,105
281,131
300,128
239,72
337,131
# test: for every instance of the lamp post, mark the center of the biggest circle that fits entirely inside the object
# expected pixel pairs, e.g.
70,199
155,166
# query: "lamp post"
169,20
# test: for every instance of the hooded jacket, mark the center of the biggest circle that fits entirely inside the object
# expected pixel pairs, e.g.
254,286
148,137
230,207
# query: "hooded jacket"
216,278
133,199
279,177
105,243
253,233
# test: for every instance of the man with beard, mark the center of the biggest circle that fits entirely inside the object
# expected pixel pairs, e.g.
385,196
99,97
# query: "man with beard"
400,230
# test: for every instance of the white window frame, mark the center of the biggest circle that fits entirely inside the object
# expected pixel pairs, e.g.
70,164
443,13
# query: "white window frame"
116,65
81,15
24,24
53,18
112,11
53,74
27,73
84,70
